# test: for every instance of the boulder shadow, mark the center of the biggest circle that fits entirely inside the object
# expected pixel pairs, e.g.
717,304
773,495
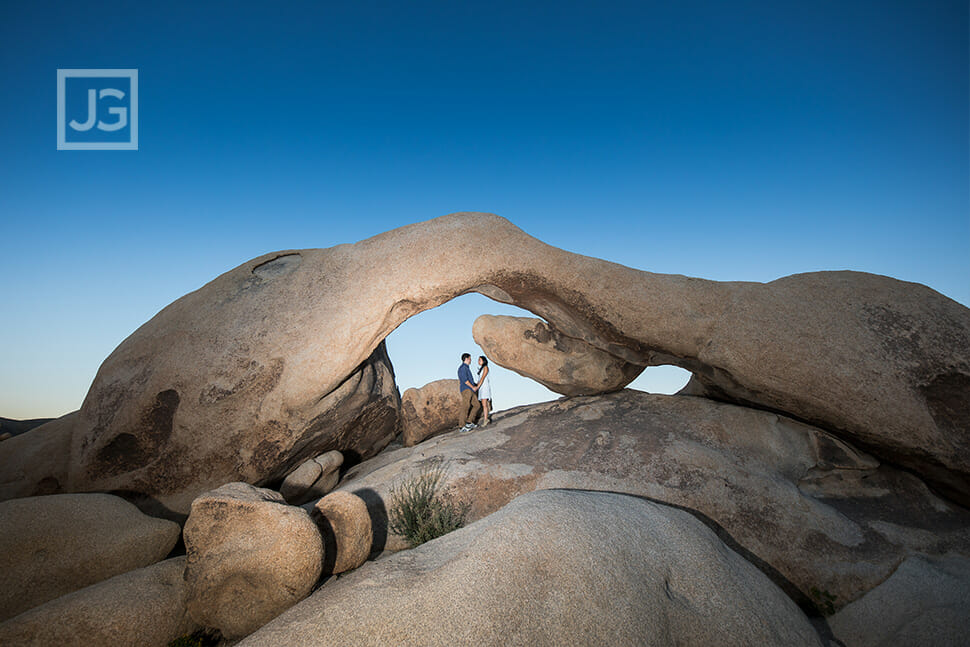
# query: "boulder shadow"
329,547
378,520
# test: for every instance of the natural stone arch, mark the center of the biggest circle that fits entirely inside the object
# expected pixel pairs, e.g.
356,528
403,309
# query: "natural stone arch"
258,360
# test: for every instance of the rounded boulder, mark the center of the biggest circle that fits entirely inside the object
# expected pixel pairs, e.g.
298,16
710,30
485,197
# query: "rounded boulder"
53,545
250,557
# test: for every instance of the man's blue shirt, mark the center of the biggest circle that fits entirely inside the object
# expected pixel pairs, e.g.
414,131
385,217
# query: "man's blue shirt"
464,375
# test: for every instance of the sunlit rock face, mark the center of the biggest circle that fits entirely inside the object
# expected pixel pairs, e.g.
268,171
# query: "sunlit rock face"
280,359
432,409
813,512
562,364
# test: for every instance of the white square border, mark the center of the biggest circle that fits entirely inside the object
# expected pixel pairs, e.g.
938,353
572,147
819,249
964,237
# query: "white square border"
132,144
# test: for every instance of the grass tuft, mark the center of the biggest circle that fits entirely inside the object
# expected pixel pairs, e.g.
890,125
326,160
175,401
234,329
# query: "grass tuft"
420,512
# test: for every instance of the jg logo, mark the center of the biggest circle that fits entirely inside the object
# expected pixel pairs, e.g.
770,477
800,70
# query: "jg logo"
97,109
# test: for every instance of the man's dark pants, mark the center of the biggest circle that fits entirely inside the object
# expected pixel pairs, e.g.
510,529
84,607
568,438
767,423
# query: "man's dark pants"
470,406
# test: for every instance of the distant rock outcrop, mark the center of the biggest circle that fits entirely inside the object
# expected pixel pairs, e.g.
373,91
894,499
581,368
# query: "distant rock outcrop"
17,427
281,358
543,571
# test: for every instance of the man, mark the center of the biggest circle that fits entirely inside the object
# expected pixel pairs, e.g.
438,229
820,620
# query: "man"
469,400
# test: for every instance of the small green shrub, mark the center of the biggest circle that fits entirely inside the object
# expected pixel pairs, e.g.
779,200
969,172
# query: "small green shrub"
418,510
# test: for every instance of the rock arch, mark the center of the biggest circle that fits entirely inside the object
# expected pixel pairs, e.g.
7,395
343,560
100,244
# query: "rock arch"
282,357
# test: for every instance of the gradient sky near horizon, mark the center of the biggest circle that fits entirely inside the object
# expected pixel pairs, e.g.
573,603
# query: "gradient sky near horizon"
730,141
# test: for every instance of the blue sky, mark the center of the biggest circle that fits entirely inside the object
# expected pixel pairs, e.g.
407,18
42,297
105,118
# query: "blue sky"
731,141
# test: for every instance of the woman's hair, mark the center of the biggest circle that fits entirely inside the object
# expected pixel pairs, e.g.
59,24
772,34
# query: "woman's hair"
484,363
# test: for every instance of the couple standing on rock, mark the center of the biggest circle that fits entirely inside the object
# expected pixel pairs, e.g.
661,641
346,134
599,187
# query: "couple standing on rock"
472,392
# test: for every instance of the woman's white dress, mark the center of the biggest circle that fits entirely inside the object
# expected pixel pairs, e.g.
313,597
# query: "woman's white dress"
485,390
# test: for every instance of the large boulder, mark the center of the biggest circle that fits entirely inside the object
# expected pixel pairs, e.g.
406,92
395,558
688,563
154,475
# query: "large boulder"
562,364
166,455
826,521
244,377
345,525
430,410
140,608
926,601
250,556
52,545
541,572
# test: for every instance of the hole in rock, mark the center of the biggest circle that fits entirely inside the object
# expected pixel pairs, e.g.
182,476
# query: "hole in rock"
428,347
664,379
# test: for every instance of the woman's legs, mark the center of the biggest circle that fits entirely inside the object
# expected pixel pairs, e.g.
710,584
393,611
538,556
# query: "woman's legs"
486,405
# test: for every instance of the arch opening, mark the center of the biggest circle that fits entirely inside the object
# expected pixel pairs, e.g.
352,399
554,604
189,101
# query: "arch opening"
428,347
665,379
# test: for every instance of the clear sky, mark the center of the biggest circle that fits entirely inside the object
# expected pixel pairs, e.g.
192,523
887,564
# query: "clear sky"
730,141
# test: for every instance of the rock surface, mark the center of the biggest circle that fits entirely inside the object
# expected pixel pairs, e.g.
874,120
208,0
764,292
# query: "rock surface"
543,572
329,475
162,454
925,602
52,545
242,378
820,517
313,479
17,427
345,525
430,410
300,480
141,608
250,556
36,463
562,364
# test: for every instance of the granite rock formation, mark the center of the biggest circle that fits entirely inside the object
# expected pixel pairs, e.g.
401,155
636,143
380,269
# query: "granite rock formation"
53,545
250,557
140,608
430,410
562,364
272,362
542,572
825,520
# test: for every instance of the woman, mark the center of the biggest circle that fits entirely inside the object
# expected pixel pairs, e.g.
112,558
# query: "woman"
484,389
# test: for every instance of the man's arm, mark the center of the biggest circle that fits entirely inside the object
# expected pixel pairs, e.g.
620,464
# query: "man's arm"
467,371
